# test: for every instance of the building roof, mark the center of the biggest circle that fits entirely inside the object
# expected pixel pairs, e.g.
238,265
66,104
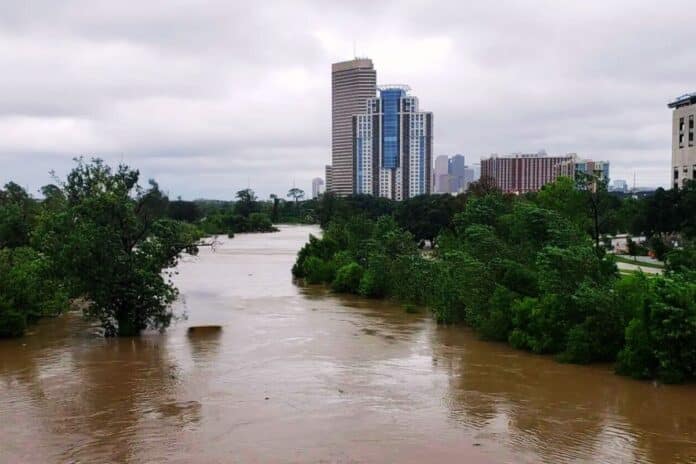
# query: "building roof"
403,87
356,63
683,100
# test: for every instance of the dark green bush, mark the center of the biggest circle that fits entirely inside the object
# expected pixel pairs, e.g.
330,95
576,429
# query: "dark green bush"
661,338
348,278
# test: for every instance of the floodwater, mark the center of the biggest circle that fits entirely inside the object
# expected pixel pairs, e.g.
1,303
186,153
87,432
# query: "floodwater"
300,375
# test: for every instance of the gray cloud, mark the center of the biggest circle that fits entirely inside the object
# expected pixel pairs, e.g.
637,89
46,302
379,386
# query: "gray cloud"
208,97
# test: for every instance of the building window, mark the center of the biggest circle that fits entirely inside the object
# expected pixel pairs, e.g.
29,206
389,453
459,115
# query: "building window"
676,174
691,130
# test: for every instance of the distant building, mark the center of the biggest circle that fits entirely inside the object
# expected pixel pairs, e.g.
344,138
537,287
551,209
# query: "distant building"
683,149
619,185
441,174
329,177
521,173
451,175
576,166
457,170
392,146
317,187
352,84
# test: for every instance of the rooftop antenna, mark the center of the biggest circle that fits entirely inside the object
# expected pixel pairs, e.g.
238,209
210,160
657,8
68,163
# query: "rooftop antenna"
355,53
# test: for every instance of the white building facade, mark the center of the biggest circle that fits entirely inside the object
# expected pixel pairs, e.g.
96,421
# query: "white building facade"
683,139
392,146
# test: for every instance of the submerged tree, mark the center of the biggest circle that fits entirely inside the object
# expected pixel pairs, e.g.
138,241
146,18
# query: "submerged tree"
114,247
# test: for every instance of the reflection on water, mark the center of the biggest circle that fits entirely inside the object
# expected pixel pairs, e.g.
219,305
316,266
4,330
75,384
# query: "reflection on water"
300,375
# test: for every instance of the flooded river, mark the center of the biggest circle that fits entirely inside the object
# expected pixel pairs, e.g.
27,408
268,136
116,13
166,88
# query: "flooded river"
301,375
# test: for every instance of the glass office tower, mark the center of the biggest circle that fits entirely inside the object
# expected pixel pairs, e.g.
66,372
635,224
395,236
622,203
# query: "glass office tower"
392,146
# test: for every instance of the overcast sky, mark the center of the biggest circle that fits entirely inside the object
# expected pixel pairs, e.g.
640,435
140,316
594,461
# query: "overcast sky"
207,97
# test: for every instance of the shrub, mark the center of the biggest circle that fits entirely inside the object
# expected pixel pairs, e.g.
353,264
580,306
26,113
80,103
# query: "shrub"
681,261
348,278
27,290
659,247
260,222
661,338
497,324
317,271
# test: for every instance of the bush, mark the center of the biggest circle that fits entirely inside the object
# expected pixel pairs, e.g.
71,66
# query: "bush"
260,222
374,280
498,323
661,338
317,271
28,290
323,249
659,247
348,278
13,323
681,261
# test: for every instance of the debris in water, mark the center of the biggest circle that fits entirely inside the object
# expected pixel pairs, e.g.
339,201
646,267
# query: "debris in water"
204,329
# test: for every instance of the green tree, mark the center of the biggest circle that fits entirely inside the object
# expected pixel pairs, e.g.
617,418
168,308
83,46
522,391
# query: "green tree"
17,214
114,247
274,210
296,194
246,202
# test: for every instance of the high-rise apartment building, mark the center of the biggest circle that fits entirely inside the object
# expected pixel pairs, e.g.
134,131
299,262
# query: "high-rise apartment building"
521,173
683,147
317,187
392,146
352,84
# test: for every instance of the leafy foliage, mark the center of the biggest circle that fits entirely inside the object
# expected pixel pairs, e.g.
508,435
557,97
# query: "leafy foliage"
527,270
112,243
28,290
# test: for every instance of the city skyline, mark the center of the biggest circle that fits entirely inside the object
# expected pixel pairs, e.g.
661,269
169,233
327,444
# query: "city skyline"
217,109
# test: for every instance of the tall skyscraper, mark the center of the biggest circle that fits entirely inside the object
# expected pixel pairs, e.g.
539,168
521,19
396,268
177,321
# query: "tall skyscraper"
683,148
392,146
317,187
352,84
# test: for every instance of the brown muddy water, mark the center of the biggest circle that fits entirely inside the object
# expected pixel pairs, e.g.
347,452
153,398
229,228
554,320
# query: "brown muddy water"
301,375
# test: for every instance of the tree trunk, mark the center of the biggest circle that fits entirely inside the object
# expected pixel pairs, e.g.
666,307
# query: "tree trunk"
127,327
